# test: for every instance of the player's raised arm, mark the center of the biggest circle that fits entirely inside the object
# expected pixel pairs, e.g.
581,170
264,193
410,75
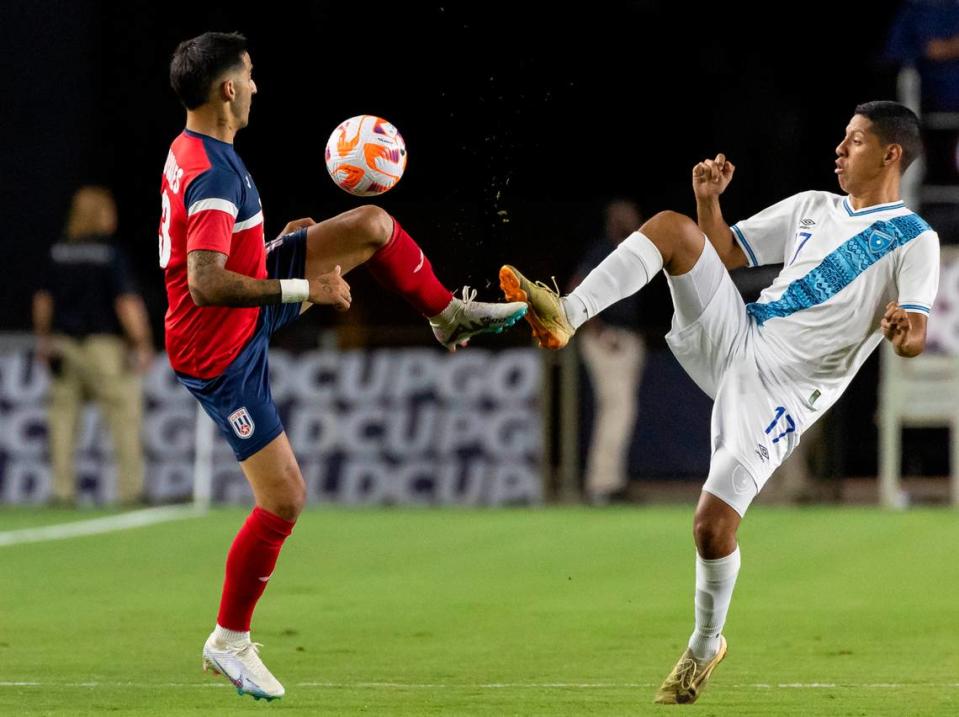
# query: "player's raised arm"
212,284
710,179
906,330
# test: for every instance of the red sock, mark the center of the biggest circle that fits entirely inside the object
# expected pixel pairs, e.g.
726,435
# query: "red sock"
401,266
249,565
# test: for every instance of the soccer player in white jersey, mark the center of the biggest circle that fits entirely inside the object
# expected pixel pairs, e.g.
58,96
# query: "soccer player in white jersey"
857,268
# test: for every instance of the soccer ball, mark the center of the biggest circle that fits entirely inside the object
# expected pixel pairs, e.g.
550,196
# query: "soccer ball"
365,156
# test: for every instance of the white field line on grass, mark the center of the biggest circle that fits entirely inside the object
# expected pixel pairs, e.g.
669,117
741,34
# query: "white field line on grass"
95,526
488,685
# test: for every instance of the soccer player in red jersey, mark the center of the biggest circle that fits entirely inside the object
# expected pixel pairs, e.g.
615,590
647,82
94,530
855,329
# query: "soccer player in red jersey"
229,291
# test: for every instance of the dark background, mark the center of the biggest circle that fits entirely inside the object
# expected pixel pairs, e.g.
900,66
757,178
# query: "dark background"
520,120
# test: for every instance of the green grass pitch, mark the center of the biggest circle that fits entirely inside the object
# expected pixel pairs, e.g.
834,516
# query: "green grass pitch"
558,611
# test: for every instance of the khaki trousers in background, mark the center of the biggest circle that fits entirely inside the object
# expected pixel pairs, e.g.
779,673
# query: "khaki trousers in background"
614,359
96,368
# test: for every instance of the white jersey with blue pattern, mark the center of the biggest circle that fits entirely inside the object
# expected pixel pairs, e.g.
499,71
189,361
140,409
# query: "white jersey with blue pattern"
840,268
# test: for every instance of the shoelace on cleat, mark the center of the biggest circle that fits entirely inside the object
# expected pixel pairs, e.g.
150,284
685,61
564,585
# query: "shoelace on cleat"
240,649
468,296
554,290
683,675
687,673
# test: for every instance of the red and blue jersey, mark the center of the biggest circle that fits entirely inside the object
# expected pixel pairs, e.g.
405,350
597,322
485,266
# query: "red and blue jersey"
209,203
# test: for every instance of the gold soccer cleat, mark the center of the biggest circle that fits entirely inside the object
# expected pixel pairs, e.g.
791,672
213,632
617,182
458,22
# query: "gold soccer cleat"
688,678
546,314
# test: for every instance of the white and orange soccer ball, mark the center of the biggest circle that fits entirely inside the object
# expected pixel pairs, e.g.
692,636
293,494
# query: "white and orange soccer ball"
366,156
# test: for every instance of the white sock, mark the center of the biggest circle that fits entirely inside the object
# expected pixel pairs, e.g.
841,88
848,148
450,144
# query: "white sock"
575,310
447,315
221,634
715,580
626,270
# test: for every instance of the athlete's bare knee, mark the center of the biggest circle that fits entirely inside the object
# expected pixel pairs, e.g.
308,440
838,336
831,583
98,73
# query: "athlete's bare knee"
714,532
289,505
289,498
670,223
671,231
369,224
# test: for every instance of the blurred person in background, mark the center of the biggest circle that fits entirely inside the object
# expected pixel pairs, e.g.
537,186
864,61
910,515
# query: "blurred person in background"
93,334
925,35
614,352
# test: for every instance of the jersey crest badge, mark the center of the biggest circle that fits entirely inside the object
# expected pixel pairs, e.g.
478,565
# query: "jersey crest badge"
242,423
879,241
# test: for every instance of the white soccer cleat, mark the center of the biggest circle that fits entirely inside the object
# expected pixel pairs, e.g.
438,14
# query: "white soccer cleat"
240,663
464,318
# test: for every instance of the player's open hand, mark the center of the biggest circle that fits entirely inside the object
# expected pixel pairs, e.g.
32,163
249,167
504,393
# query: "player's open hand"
712,176
297,224
332,289
895,324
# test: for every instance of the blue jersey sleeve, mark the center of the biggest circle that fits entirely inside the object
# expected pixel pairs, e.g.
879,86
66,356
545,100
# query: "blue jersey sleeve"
217,188
212,203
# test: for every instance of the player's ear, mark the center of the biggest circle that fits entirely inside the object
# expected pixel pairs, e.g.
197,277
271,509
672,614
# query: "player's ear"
893,154
227,91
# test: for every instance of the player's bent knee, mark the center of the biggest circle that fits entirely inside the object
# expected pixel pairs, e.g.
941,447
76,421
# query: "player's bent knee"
670,222
668,230
371,224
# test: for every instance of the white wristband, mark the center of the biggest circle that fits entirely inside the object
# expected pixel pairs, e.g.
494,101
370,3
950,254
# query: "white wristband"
294,291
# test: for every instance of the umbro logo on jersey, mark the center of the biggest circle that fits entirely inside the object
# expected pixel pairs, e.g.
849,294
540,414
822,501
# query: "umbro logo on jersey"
807,222
250,186
242,423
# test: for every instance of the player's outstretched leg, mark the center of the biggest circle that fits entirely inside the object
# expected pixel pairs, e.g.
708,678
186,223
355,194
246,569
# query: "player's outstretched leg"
280,495
667,240
368,235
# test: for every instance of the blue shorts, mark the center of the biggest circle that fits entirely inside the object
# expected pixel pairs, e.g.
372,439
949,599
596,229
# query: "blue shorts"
239,400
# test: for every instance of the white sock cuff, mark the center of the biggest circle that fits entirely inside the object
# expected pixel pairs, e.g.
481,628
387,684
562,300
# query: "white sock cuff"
225,635
720,568
447,314
641,246
575,309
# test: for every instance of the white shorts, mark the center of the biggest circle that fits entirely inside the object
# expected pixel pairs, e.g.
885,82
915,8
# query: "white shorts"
758,416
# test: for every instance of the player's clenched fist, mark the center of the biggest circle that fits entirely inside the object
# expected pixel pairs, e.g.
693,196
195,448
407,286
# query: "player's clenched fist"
712,176
895,323
331,288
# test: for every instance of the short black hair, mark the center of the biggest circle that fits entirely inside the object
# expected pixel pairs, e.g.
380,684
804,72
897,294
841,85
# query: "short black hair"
197,63
895,124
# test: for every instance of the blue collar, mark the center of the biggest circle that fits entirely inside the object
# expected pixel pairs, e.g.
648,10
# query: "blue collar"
870,210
